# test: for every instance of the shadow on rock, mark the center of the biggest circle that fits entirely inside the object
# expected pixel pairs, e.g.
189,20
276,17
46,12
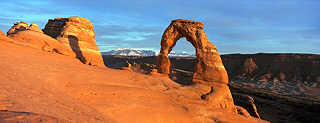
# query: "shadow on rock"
74,44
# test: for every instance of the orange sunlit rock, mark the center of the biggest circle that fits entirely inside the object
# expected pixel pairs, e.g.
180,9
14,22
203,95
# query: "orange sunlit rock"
209,69
79,34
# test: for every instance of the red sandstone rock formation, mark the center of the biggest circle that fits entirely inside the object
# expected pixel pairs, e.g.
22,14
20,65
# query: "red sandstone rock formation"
22,26
2,34
27,117
208,70
18,26
78,33
74,37
57,86
3,37
35,27
39,41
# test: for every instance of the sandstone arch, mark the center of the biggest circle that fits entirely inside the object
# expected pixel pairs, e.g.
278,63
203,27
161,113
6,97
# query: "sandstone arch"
209,69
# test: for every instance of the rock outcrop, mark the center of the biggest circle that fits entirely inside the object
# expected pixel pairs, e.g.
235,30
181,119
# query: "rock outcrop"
2,34
249,67
3,37
209,69
39,41
18,26
35,27
78,33
22,26
32,36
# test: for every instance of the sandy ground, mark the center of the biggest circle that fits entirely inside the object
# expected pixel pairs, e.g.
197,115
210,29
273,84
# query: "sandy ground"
62,88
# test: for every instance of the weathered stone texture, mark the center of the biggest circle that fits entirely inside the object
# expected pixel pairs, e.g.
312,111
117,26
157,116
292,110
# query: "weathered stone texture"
18,26
209,69
78,33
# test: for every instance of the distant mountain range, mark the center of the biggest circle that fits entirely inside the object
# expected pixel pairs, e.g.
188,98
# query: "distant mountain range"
182,54
130,52
138,52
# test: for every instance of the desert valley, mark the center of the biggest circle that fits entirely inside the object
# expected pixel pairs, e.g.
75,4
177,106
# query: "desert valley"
57,74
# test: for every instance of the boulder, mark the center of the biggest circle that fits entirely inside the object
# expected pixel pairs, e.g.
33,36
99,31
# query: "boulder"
209,69
35,27
78,33
18,26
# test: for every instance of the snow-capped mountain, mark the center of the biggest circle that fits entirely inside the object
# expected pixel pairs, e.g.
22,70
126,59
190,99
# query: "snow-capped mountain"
139,52
130,52
182,54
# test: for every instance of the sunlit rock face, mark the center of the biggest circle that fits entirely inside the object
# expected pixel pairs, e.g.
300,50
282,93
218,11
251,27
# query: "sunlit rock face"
18,26
40,41
33,36
23,26
34,27
78,33
209,69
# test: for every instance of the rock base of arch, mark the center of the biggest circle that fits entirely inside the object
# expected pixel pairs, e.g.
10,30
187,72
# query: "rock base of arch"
209,69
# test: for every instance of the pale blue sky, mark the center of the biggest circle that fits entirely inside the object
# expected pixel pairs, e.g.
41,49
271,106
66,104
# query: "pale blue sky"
234,26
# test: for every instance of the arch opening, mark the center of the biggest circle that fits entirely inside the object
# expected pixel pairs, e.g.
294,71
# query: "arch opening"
182,63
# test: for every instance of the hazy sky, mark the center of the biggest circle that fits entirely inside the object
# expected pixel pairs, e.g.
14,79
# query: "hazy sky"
234,26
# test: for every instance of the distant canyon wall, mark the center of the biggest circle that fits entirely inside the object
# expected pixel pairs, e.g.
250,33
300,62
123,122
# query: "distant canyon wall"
273,67
249,67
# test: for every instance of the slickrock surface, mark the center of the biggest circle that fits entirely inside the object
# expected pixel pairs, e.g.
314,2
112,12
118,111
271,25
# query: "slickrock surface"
63,88
78,33
208,70
26,117
40,41
3,37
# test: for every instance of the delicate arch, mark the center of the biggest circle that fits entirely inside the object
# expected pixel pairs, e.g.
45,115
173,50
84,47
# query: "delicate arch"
209,67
